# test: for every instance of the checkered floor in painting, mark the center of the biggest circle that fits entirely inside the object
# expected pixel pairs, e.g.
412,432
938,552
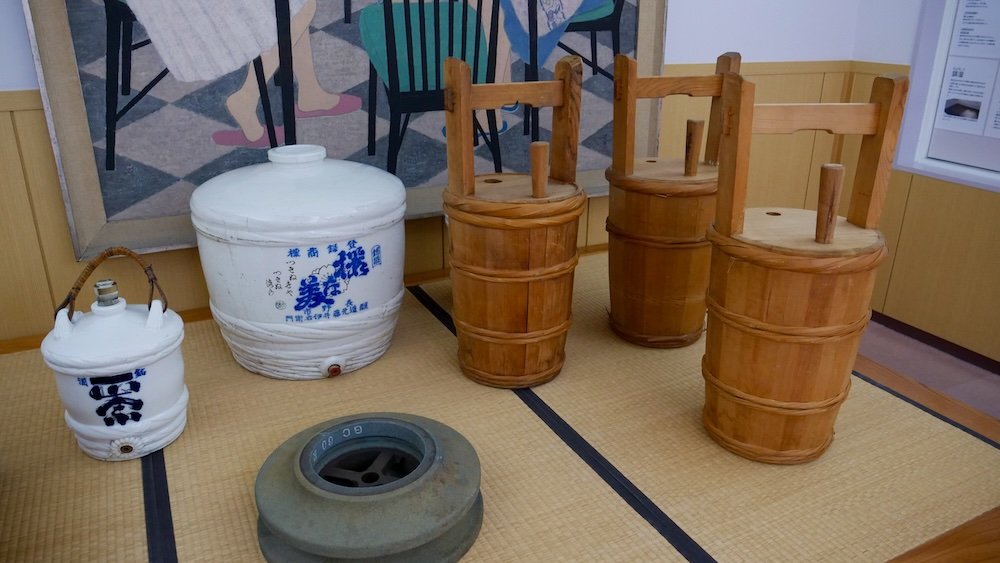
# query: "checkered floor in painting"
165,147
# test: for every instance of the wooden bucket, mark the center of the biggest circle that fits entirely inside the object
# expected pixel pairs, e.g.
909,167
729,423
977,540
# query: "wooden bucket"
512,237
512,263
790,289
658,254
659,212
784,324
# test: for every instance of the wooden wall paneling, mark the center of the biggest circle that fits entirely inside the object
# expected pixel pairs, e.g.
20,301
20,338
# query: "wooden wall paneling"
860,90
842,87
780,164
826,147
20,100
597,216
891,224
946,273
25,297
676,110
425,239
179,271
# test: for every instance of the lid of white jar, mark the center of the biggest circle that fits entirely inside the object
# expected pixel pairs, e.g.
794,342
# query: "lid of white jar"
111,339
298,196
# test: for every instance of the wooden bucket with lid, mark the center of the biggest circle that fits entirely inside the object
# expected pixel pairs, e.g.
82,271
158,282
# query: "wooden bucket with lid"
512,237
659,212
790,289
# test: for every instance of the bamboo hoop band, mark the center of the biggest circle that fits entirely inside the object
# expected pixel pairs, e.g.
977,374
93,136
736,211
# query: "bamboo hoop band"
792,408
784,333
512,381
513,216
518,276
70,299
655,240
759,453
516,209
510,224
769,258
498,337
658,186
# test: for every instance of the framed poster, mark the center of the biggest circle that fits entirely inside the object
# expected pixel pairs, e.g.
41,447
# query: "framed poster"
951,129
128,181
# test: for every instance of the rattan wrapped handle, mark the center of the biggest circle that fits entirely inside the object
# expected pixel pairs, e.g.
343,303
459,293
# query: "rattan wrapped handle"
100,258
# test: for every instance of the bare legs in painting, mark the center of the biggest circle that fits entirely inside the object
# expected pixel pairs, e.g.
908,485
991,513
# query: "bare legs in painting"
311,101
503,62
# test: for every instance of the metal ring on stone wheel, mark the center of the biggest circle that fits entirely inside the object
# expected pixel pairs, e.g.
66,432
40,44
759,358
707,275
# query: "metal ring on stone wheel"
371,487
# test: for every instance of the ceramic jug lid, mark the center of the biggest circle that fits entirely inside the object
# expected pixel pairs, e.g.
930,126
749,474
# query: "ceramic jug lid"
299,195
112,338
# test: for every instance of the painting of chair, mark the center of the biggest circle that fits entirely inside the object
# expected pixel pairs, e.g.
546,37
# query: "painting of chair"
119,24
606,17
407,43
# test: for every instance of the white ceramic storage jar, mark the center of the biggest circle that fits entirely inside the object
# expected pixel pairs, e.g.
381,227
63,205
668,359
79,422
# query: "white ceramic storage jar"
120,375
303,257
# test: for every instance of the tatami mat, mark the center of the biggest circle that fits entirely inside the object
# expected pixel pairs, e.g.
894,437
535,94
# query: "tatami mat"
894,477
56,504
542,502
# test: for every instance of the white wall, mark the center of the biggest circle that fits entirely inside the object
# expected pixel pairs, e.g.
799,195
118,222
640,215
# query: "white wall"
697,32
791,30
17,69
887,31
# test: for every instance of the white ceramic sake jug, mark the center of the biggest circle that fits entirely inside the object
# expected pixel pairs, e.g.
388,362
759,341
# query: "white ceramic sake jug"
119,370
303,257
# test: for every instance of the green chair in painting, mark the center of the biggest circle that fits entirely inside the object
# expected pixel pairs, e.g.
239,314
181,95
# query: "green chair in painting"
606,17
407,43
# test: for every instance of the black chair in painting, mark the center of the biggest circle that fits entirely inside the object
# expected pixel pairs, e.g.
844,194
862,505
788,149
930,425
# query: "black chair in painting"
120,22
605,17
407,43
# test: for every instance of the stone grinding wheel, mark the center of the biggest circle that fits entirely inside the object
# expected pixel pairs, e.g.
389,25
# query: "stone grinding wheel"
371,487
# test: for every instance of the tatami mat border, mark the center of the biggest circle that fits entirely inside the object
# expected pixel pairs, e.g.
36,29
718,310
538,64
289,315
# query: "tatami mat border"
926,409
625,488
160,541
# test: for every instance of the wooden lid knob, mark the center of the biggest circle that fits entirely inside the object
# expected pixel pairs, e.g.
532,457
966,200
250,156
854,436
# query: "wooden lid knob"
539,168
831,181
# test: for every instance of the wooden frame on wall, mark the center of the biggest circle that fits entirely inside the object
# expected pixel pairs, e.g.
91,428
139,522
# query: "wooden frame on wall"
69,131
62,98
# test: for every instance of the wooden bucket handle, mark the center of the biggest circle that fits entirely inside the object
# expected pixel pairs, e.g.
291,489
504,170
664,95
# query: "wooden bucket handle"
70,299
629,87
878,121
462,98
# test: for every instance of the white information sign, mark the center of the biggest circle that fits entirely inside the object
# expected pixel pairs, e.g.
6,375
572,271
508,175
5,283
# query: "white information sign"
967,119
